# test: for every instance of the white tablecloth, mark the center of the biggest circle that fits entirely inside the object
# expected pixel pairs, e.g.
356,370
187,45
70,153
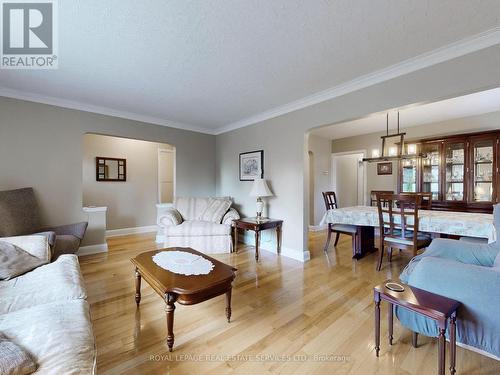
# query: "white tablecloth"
446,222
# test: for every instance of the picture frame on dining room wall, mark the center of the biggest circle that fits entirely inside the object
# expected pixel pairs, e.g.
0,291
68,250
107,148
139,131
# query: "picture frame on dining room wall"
251,165
384,169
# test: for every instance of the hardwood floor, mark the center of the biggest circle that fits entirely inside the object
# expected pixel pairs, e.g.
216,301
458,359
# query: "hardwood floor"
288,318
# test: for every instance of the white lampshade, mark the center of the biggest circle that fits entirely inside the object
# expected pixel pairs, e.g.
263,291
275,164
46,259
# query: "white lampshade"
260,188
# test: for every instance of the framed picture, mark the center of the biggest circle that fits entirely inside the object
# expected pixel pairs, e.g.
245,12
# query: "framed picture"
251,165
384,168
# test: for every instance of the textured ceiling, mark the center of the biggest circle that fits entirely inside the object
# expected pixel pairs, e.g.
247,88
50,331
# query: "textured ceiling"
464,106
210,63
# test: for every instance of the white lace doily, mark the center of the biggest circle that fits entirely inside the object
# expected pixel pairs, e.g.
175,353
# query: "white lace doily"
183,263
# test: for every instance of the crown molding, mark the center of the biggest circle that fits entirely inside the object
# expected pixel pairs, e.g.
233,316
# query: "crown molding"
64,103
450,51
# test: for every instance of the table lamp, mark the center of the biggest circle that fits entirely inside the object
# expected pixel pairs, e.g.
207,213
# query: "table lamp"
259,190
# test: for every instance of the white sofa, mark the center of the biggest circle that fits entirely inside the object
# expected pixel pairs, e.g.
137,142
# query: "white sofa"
45,312
204,224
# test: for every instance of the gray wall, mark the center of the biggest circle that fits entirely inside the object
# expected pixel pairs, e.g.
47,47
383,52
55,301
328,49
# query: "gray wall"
131,203
283,138
368,142
41,146
320,175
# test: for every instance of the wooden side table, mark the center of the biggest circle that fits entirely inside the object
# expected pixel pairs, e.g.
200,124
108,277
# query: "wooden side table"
257,226
439,308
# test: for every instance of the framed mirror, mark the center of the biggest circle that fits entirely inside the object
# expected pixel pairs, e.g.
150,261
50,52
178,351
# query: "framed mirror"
110,169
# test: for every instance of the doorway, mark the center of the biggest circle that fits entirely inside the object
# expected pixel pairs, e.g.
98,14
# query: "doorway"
349,178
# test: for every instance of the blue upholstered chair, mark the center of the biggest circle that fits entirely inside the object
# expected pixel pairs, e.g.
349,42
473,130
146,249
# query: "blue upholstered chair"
465,271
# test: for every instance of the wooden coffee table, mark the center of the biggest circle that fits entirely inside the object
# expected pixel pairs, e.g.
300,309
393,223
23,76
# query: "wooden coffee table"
439,308
186,290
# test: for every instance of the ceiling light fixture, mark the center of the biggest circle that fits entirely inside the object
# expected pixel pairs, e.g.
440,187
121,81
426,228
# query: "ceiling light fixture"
396,152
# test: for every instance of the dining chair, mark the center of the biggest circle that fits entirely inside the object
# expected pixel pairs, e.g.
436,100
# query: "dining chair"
373,195
399,224
351,230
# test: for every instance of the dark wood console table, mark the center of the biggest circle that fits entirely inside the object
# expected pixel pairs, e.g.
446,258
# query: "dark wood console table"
439,308
257,226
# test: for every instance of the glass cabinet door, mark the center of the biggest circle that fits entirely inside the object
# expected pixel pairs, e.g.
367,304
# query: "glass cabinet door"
454,153
482,170
409,175
431,170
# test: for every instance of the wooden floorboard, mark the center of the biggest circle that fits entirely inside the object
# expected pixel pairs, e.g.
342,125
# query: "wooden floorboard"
288,318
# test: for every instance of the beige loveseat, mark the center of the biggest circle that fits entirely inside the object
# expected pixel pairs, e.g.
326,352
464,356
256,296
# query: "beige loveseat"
204,224
45,312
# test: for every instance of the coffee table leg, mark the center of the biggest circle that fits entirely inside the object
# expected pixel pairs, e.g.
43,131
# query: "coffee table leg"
377,323
170,308
390,318
228,305
257,241
442,350
453,343
137,287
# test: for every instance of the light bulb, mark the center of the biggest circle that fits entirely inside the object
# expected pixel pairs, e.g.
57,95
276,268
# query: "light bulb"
393,151
412,149
375,153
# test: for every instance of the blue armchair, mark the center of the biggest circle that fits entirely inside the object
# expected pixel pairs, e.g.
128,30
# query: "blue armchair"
465,271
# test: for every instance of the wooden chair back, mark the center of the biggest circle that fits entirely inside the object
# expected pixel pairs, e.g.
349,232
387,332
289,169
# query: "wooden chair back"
426,202
373,195
399,219
330,200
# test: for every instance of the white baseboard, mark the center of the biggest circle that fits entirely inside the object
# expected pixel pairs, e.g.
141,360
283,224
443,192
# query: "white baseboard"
92,249
270,246
317,228
125,231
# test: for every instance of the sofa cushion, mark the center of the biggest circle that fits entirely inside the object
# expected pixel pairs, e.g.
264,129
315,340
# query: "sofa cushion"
57,281
215,210
197,228
58,335
36,245
66,244
14,261
191,208
19,212
14,360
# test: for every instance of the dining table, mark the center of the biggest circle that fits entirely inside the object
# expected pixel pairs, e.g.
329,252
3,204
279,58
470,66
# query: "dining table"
436,222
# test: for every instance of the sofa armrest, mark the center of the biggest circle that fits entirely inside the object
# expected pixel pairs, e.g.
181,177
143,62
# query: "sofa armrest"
170,217
230,216
77,229
465,252
36,245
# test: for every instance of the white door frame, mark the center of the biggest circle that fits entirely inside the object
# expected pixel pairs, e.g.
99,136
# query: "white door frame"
172,151
365,185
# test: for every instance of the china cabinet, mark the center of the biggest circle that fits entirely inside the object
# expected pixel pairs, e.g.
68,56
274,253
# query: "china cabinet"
460,171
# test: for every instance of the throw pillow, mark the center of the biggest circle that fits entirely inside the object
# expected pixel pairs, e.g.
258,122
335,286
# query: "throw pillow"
14,360
14,261
215,210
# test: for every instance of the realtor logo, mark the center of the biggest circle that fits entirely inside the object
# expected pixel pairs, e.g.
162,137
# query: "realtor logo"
29,34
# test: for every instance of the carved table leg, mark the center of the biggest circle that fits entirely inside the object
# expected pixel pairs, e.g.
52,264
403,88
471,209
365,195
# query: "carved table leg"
235,239
228,305
137,287
278,238
442,351
257,241
170,308
377,323
453,343
390,318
